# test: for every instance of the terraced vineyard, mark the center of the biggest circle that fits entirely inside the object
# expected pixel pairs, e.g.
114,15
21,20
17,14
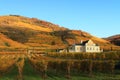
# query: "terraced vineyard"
55,66
8,61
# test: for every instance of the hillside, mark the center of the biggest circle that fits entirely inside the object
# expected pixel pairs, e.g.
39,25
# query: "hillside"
32,32
114,39
6,42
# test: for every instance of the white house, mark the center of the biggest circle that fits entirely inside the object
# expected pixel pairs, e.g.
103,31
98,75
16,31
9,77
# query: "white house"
85,46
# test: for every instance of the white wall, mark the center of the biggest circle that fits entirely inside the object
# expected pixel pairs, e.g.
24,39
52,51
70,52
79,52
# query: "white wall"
92,49
79,48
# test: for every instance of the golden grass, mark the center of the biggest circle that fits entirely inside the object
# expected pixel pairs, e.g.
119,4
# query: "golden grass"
4,39
41,39
30,26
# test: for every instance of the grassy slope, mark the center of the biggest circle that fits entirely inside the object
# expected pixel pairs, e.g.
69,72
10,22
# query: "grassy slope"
34,32
29,31
114,39
7,42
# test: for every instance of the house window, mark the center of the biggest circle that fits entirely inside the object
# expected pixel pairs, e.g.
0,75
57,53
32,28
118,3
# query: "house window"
80,48
97,49
90,48
87,48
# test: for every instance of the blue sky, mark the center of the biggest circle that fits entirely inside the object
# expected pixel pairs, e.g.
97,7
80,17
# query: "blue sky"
100,18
